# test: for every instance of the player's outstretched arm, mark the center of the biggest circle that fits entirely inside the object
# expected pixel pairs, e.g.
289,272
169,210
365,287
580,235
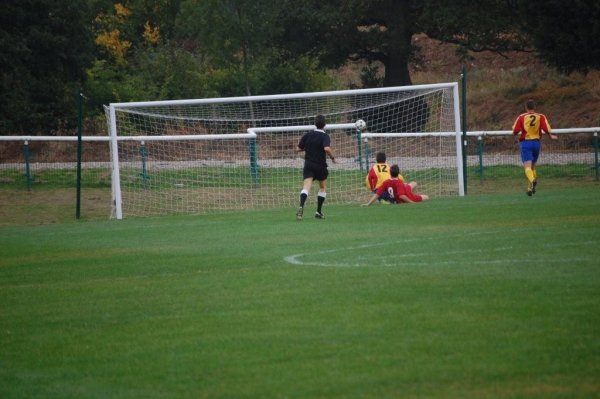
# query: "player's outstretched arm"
371,200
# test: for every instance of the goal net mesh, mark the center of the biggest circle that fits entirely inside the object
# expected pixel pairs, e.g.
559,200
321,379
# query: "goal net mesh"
199,156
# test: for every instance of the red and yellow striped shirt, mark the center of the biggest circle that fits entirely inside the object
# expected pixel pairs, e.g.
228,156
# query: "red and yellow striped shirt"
378,173
531,125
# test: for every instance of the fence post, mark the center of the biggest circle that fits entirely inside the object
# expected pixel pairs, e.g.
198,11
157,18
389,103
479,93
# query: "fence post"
480,149
144,156
359,148
27,155
79,152
367,154
464,124
596,166
254,162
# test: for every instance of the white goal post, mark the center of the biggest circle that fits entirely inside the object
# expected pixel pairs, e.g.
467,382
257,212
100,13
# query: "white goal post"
202,155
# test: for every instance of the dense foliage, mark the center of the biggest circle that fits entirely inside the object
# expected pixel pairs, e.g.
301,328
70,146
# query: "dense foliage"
565,34
129,50
45,47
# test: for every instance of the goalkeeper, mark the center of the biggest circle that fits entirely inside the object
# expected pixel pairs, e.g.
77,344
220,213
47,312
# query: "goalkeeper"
399,191
379,173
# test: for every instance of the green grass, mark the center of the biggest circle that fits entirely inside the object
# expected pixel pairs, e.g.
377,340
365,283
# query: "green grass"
51,179
236,177
580,172
486,296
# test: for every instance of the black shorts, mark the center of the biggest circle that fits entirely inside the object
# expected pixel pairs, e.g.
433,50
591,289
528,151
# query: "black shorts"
317,172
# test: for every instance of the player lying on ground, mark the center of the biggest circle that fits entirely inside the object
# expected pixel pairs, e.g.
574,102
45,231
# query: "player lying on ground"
379,173
399,191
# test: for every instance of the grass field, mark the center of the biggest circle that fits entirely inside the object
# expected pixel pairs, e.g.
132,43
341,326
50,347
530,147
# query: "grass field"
485,296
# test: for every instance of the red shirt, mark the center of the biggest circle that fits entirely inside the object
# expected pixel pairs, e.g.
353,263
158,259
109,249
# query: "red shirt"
378,173
398,188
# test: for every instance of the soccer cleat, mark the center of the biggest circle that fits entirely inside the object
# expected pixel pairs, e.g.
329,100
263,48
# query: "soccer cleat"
319,215
530,189
533,186
300,213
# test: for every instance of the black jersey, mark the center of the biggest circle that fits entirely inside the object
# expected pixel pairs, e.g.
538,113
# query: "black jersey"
313,143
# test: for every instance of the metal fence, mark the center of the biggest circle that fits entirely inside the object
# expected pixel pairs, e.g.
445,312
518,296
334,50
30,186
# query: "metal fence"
491,154
38,162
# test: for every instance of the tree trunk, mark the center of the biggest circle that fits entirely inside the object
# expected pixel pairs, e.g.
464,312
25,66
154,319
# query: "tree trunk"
400,32
396,70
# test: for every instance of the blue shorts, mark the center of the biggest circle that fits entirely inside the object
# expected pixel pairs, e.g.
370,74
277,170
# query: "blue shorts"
386,196
530,150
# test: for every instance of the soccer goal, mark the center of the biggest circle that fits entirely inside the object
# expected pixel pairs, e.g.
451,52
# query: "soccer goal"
205,155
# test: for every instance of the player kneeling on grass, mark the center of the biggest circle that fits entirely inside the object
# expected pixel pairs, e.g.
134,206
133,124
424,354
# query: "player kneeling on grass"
400,192
379,173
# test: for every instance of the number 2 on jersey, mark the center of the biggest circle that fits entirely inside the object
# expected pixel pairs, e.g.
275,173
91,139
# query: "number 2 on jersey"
532,119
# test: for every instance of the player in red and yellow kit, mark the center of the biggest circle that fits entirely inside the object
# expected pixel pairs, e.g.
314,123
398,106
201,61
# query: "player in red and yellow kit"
379,173
530,126
400,192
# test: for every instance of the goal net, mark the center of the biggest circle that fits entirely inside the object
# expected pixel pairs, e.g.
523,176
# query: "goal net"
205,155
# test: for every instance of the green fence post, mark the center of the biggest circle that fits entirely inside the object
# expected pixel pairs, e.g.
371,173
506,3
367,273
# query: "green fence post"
464,124
596,166
359,148
27,155
480,149
254,163
79,152
144,157
367,153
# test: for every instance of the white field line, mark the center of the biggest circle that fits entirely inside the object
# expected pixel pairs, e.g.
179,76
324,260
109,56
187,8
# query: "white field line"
296,258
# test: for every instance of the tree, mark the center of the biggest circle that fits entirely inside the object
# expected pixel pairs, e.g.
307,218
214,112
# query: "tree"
44,49
565,34
488,25
236,39
381,31
228,31
334,32
139,58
